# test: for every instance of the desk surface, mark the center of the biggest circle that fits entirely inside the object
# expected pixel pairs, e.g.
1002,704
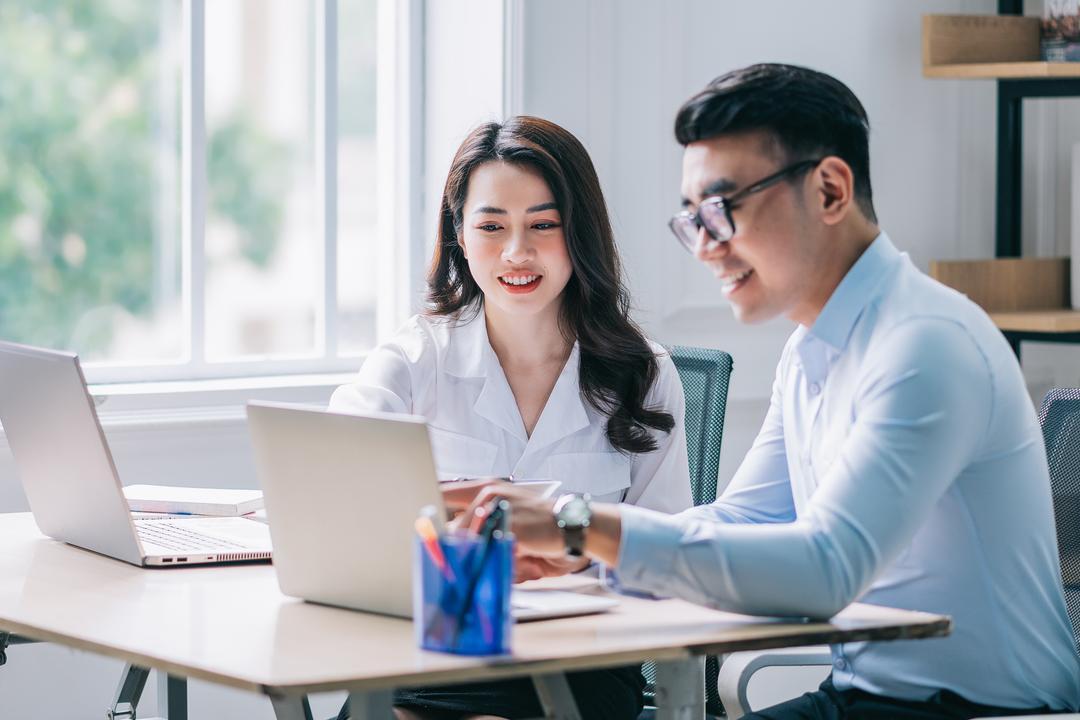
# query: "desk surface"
231,625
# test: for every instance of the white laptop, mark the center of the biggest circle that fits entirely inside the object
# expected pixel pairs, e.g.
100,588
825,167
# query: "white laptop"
342,493
71,483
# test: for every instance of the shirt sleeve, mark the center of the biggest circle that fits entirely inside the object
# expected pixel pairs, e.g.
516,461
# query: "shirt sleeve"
391,375
922,405
660,480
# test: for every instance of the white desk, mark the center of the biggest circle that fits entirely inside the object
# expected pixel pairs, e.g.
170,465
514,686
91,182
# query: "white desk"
231,625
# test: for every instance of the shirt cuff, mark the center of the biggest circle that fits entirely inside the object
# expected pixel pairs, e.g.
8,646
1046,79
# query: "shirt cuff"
650,542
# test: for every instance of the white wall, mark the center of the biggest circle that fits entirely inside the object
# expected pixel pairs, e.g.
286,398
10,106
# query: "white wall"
615,71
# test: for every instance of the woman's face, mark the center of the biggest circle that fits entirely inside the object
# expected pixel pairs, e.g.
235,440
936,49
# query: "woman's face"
513,238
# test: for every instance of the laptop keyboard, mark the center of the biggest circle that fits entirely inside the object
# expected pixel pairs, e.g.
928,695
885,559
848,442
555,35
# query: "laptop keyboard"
176,537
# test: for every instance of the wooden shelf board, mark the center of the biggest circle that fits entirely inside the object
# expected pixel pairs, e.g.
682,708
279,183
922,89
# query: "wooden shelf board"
1050,321
1017,70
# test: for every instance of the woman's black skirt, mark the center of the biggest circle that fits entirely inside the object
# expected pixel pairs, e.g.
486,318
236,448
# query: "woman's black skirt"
611,694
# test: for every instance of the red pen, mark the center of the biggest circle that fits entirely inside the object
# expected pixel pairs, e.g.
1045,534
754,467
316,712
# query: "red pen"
426,530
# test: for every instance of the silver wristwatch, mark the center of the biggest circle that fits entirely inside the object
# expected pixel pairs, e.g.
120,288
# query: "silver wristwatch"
573,514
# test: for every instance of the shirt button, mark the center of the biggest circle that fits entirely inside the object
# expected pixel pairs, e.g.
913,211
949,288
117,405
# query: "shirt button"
839,664
814,388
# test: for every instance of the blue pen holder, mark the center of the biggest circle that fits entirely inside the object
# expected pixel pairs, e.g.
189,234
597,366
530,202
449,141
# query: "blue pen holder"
464,607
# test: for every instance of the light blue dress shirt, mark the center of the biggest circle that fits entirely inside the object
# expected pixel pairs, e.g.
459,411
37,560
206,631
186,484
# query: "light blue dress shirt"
901,464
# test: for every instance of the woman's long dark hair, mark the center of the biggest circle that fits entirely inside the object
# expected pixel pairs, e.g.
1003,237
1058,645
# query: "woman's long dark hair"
617,365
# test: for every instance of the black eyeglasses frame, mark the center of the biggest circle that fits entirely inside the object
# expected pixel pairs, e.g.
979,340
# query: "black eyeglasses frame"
728,203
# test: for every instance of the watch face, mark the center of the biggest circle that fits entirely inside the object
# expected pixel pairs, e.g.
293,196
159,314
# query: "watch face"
575,512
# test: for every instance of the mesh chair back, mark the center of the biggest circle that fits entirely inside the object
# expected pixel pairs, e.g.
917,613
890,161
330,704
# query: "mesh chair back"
1060,420
705,375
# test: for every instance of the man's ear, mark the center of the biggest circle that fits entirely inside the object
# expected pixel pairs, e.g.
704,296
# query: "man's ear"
834,188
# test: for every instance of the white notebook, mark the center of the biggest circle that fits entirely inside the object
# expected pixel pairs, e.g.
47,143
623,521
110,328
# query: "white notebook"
192,501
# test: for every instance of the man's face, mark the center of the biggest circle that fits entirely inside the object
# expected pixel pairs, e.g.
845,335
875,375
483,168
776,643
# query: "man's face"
768,266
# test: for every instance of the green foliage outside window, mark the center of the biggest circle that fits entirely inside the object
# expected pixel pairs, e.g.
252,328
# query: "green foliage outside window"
89,169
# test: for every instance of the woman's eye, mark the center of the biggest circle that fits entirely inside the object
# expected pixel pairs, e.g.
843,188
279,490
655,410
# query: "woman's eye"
546,225
488,227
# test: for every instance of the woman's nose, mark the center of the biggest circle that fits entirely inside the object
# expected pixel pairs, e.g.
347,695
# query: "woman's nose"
517,248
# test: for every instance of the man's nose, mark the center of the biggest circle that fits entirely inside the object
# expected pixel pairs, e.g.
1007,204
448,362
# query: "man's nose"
706,248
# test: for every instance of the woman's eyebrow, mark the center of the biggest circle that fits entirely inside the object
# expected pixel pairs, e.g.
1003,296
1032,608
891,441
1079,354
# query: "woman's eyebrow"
489,210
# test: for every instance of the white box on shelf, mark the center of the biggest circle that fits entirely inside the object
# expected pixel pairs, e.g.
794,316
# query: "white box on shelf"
1074,246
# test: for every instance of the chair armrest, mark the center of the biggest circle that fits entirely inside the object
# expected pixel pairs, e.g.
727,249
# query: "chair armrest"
737,669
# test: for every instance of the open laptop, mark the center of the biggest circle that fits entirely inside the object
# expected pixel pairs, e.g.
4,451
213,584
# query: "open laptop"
70,479
342,493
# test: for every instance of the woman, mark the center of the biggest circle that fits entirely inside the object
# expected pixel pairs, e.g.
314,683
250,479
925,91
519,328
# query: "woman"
526,364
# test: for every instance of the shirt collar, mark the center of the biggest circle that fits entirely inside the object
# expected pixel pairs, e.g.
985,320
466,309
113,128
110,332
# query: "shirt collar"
860,285
469,353
564,414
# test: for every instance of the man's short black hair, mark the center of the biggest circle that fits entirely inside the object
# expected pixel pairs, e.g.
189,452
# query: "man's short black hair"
807,113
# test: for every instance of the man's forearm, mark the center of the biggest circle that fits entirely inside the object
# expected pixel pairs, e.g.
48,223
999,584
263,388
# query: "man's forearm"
604,534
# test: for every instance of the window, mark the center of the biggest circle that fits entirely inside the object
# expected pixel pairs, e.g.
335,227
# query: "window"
188,188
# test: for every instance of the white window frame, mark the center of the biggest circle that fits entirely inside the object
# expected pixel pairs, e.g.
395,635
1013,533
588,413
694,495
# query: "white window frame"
399,100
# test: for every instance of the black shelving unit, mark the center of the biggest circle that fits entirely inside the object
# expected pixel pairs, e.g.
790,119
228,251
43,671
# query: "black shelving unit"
1010,117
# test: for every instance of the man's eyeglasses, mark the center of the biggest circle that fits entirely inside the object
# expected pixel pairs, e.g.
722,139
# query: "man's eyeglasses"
714,214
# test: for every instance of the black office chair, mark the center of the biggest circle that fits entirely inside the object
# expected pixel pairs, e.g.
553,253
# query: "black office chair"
705,376
1060,420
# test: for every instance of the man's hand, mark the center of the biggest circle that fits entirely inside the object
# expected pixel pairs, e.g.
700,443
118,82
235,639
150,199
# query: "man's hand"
534,567
533,524
532,521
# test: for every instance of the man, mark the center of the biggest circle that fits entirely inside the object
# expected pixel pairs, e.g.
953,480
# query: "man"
900,462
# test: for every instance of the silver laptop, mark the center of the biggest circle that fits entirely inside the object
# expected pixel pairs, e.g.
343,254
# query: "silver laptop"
70,481
342,493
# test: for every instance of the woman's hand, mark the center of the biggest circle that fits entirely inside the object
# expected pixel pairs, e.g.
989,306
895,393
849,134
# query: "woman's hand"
458,495
534,567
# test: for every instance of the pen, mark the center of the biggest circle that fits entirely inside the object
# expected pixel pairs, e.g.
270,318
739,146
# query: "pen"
477,521
434,516
489,534
430,538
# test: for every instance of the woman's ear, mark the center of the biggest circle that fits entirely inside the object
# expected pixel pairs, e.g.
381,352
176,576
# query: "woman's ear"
835,189
461,244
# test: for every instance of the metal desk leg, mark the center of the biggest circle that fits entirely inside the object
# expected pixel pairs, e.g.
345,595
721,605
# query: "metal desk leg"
128,692
680,689
172,697
555,697
371,705
292,707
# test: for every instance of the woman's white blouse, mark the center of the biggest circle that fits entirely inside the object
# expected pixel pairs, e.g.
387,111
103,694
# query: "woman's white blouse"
446,371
